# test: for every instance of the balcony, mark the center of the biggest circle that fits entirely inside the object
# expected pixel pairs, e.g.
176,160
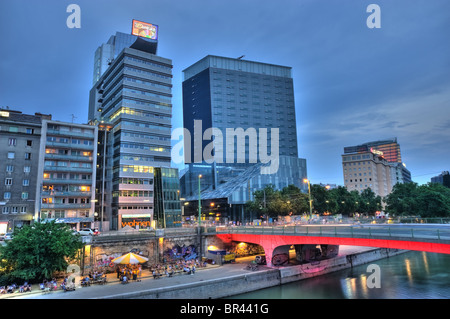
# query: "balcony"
69,157
67,181
70,146
68,169
66,206
134,200
67,194
71,134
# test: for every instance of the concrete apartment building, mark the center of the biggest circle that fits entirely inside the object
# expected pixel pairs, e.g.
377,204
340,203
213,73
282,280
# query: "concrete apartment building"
130,102
65,186
367,170
20,137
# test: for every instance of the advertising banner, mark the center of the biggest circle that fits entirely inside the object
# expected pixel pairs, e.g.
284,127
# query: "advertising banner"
145,30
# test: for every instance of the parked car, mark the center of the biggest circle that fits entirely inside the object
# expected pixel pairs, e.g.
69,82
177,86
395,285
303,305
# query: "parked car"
8,236
86,232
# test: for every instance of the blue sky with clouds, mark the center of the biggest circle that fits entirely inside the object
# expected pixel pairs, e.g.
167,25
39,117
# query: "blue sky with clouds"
352,84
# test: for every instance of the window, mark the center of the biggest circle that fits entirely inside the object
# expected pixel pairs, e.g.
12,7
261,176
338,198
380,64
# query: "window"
5,210
23,209
26,182
24,195
8,181
14,210
27,156
7,195
30,131
10,168
29,142
12,142
13,129
11,155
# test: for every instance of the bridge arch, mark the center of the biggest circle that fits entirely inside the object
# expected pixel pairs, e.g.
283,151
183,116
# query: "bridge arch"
270,242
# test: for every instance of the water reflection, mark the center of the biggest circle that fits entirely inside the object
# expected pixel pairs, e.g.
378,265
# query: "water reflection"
412,275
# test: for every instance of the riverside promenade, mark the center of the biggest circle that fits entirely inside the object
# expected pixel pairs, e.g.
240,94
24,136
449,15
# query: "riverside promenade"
214,281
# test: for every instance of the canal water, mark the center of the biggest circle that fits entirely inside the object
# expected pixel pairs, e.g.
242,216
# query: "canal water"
412,275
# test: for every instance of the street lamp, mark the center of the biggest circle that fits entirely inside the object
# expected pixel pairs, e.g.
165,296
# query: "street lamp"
199,202
309,193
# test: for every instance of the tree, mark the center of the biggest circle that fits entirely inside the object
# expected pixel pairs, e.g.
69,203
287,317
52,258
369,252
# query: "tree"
297,201
38,250
433,200
273,203
402,200
369,202
345,200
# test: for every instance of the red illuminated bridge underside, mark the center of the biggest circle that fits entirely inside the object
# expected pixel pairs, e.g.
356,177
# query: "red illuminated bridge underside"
270,242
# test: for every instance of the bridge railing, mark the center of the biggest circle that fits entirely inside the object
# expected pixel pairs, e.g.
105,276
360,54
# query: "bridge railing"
352,231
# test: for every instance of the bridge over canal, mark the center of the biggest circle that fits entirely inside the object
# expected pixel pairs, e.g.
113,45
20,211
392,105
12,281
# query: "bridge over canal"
277,240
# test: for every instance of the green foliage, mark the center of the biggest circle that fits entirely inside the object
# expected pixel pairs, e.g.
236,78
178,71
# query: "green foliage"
273,203
430,200
38,250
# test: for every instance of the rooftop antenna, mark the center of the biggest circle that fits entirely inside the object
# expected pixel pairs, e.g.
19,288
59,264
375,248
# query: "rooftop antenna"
241,57
73,117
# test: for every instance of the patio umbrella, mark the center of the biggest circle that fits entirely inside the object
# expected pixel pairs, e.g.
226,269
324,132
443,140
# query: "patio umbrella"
130,258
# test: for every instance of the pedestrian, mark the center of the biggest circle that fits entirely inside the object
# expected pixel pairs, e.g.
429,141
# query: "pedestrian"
139,272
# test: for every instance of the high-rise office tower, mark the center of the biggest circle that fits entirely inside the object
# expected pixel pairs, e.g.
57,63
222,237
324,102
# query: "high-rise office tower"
131,103
227,93
389,147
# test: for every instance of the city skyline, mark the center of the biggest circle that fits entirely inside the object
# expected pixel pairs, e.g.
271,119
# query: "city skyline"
352,84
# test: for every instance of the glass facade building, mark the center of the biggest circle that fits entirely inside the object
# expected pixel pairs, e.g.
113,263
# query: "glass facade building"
233,93
390,149
131,104
226,93
167,206
107,52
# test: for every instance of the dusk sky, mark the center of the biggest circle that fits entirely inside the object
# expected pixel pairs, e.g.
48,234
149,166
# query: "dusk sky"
352,84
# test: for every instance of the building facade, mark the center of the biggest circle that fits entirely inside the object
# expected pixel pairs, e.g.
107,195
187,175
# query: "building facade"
167,204
66,173
131,104
390,149
20,137
235,94
443,179
368,170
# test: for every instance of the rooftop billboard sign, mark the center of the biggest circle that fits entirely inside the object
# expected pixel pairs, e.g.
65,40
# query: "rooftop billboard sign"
144,30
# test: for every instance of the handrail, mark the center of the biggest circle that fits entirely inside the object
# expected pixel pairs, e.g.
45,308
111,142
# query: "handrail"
354,231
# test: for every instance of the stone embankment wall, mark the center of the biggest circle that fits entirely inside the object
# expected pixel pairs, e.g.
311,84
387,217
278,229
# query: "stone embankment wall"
251,281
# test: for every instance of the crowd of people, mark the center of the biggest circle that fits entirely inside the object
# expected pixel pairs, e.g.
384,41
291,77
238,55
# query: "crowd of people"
169,268
125,273
129,272
26,287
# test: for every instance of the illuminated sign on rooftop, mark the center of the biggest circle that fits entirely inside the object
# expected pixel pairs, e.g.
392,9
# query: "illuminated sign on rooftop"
144,30
380,153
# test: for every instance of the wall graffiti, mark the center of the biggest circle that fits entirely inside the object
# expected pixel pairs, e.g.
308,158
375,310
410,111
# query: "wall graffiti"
180,252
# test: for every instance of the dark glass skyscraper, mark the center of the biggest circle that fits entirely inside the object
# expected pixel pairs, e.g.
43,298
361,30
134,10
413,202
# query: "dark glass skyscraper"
234,93
242,96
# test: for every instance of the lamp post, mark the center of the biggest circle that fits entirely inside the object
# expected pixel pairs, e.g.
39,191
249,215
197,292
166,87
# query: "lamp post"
309,194
199,203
